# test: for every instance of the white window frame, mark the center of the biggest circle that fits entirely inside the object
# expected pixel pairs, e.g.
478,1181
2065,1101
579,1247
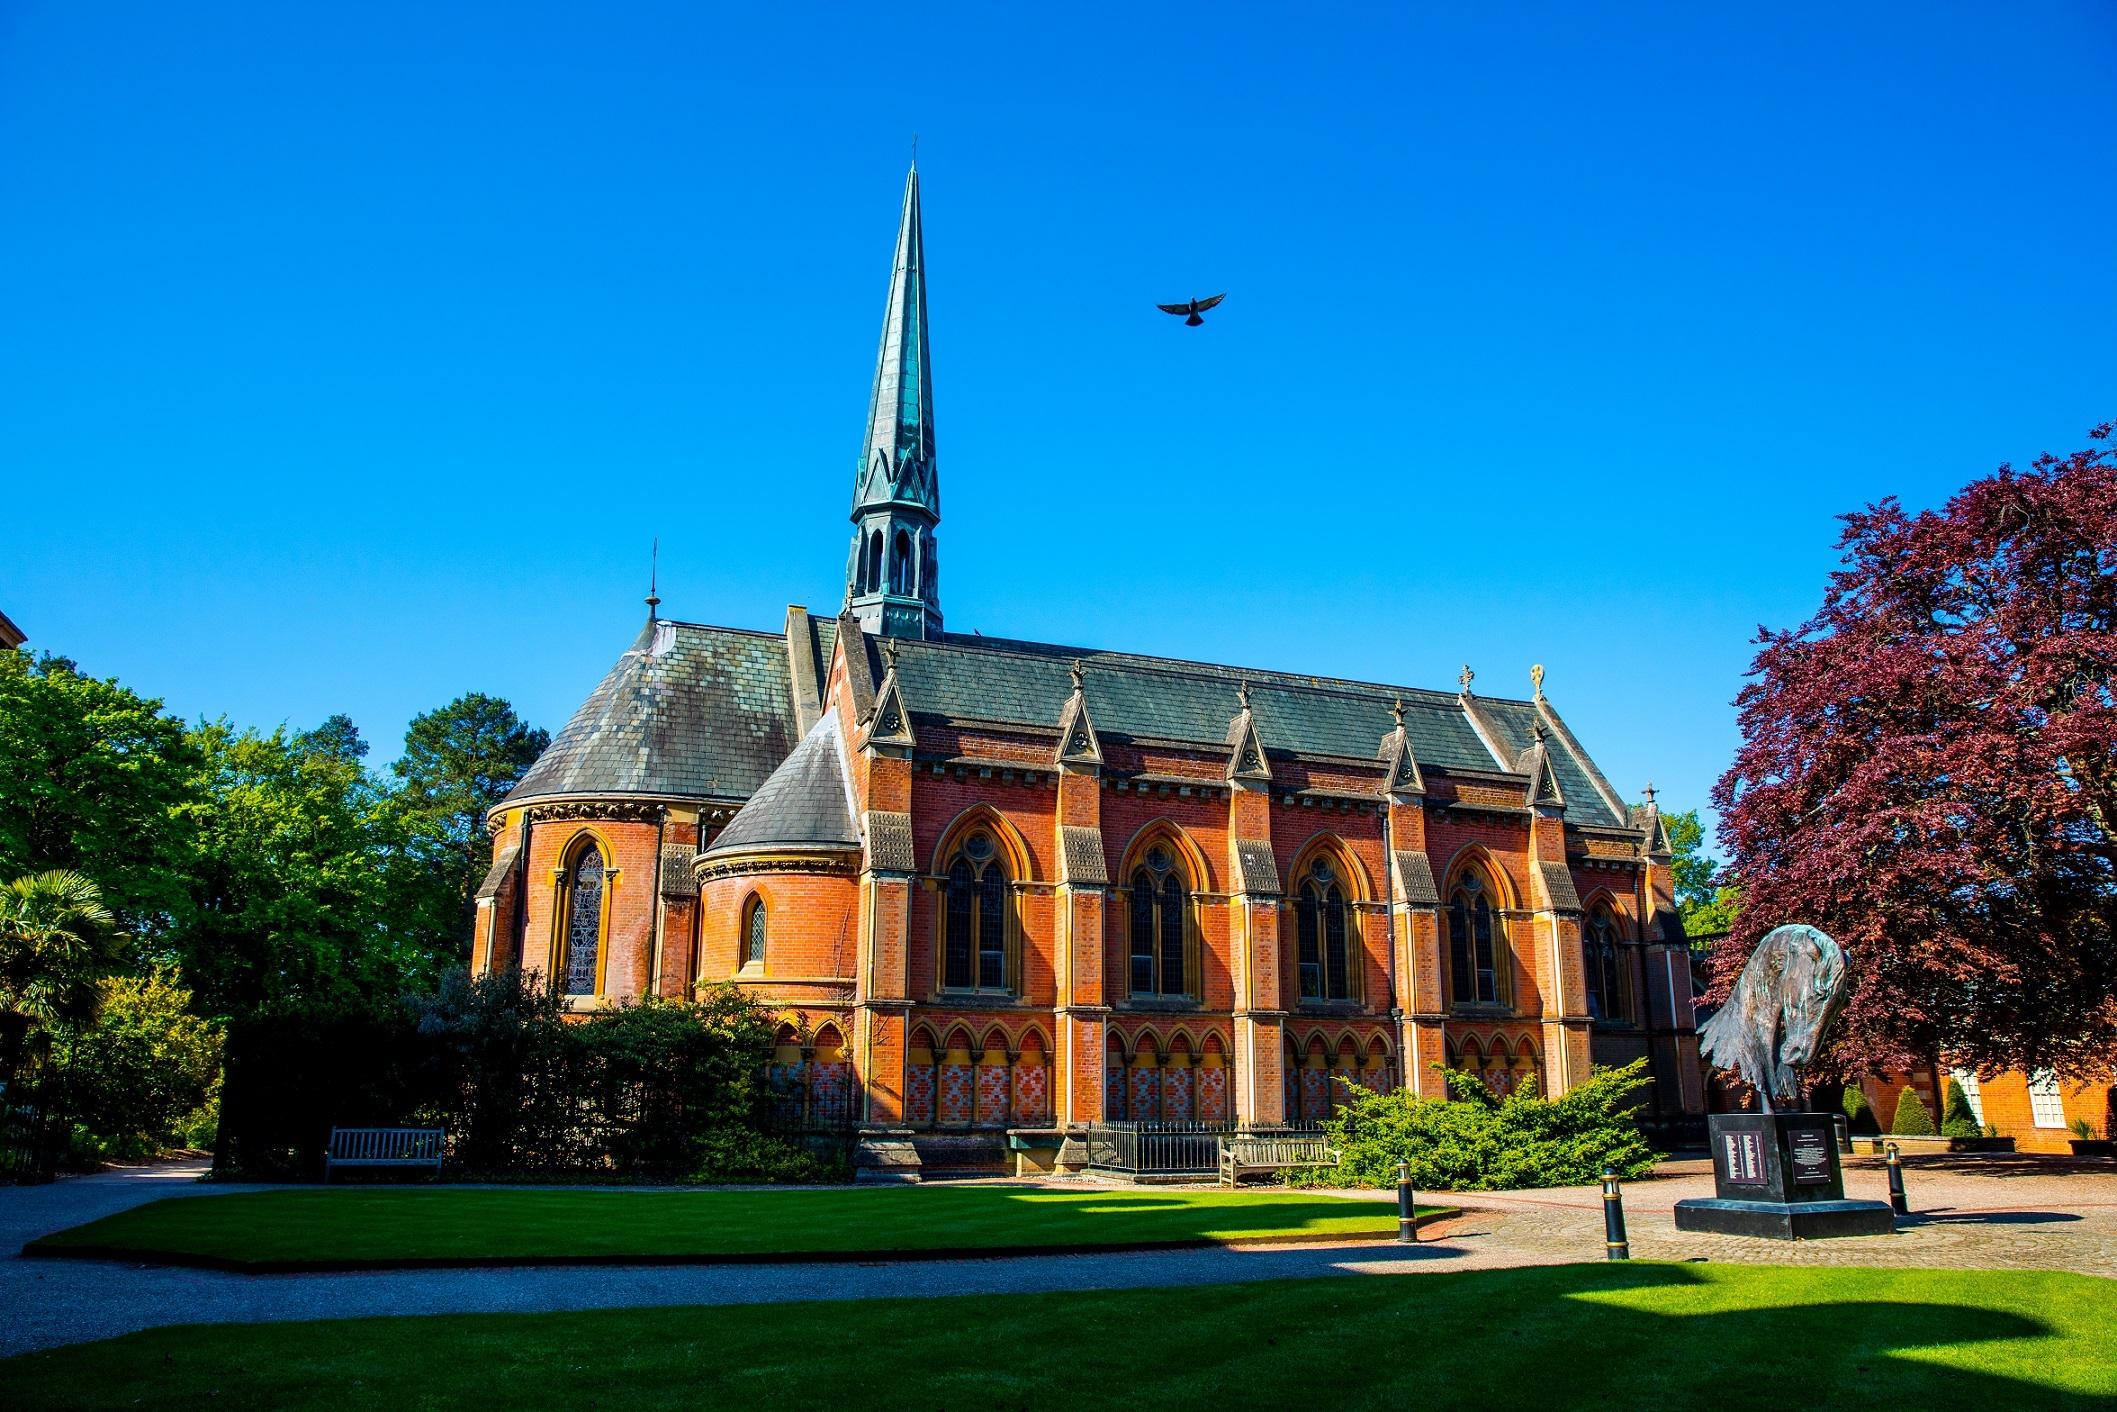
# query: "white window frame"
2047,1106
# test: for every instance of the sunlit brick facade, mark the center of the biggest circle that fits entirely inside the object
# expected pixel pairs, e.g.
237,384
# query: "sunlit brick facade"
1008,886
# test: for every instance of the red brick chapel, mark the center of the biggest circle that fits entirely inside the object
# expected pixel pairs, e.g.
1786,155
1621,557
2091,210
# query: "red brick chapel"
1005,889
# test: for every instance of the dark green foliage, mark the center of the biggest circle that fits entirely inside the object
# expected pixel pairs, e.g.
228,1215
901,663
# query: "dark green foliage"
146,1074
662,1091
1912,1119
336,739
293,897
93,778
1474,1142
1859,1113
1957,1119
458,762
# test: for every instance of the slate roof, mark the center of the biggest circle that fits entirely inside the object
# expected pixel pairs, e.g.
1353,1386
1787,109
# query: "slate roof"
706,712
690,711
805,803
1005,682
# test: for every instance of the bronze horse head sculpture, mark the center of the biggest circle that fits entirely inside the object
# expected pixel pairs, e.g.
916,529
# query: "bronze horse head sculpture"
1778,1012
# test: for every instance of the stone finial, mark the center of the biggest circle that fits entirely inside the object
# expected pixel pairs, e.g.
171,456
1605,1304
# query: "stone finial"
1466,678
1078,672
889,654
1650,794
654,571
1536,680
1242,692
1396,712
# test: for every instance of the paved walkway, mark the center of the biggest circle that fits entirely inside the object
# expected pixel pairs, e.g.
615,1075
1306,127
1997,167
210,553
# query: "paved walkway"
1975,1212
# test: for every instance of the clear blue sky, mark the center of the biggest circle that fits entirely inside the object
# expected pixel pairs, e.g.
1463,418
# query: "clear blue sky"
351,355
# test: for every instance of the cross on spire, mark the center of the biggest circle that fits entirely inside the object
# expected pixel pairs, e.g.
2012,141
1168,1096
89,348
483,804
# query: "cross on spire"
1466,678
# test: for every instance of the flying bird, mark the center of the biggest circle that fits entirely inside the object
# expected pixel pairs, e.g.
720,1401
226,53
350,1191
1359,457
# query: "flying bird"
1194,309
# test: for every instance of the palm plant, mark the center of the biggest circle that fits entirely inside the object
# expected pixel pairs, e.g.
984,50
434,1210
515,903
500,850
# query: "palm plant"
57,940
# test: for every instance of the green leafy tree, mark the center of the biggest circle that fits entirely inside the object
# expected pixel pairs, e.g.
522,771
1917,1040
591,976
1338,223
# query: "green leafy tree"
458,762
94,779
290,908
337,738
57,939
145,1075
1912,1119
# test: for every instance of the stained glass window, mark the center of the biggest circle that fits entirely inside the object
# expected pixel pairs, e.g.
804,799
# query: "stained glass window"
974,920
1473,967
1322,936
1605,969
1142,932
1172,938
1160,941
753,939
584,921
992,929
956,928
1308,947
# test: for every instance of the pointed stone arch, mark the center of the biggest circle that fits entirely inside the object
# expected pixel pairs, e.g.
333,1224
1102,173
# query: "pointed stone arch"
1015,857
1329,843
1476,855
1198,872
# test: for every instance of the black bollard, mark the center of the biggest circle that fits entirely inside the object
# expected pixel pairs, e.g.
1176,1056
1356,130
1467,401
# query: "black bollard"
1613,1218
1407,1213
1844,1126
1897,1201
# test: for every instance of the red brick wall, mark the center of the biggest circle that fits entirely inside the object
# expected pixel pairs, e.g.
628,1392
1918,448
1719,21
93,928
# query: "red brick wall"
628,941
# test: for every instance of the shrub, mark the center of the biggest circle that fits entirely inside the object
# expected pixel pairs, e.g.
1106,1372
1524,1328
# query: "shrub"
1472,1141
140,1075
1912,1119
661,1090
1859,1113
1957,1120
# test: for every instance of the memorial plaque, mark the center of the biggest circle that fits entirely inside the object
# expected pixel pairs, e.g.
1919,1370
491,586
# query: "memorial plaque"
1742,1158
1811,1153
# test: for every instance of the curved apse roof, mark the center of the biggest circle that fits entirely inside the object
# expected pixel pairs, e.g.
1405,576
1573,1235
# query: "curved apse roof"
695,712
807,802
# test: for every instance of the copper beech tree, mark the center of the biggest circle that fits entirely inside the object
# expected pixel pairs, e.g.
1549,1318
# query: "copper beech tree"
1928,771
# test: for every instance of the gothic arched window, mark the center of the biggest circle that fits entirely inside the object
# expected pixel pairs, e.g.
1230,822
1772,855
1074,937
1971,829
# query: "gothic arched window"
753,925
1160,912
584,921
974,922
1473,950
1325,956
900,575
1603,966
874,561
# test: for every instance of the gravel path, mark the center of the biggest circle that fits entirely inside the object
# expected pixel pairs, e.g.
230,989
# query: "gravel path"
2040,1214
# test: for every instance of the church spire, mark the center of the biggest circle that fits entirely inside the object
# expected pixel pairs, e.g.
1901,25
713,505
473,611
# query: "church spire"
892,581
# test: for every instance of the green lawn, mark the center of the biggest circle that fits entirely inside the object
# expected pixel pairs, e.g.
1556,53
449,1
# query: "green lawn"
1581,1336
354,1226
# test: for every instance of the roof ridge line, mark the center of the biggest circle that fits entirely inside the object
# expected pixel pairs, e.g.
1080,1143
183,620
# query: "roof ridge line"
1012,647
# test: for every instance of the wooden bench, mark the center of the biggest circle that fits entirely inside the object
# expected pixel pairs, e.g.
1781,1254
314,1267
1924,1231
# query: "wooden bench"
384,1147
1254,1154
